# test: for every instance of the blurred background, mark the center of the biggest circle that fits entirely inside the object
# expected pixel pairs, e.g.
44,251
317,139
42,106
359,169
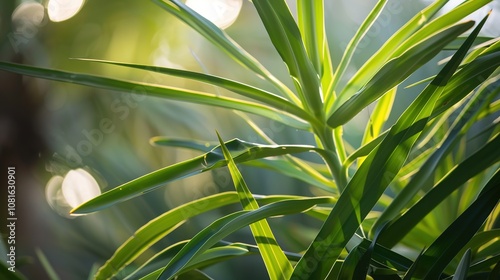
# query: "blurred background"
48,128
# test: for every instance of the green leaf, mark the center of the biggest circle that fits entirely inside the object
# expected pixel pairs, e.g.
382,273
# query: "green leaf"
349,265
411,270
378,118
370,181
420,27
351,48
243,151
158,228
493,107
463,267
384,274
474,164
493,220
458,129
394,72
218,254
212,256
311,20
221,228
383,54
363,264
156,90
298,169
220,39
466,80
49,269
380,254
482,50
277,265
475,51
5,273
164,224
293,166
202,146
286,38
154,265
356,265
455,45
189,275
486,265
257,94
421,180
289,166
364,150
495,272
443,21
448,244
364,189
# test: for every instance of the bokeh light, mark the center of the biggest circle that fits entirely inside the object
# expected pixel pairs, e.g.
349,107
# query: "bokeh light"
79,186
61,10
75,188
28,12
222,13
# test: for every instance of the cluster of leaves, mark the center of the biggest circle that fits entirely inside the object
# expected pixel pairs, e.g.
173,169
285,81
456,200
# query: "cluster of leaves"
428,158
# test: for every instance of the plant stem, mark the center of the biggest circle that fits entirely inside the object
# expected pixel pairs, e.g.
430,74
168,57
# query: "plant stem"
331,156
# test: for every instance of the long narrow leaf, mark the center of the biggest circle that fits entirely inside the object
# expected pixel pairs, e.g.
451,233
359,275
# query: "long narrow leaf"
229,224
223,41
455,45
468,78
385,53
5,273
159,228
480,239
370,181
463,267
286,38
448,244
417,29
152,269
47,266
378,118
479,161
441,22
158,91
421,179
278,266
289,166
243,151
364,189
162,225
311,20
459,128
258,94
364,262
395,71
351,48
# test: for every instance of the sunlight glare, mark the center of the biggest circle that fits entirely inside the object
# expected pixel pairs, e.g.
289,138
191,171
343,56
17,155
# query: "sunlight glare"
61,10
222,13
79,186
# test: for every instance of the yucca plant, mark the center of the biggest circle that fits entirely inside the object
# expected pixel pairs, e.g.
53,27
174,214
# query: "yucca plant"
418,199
